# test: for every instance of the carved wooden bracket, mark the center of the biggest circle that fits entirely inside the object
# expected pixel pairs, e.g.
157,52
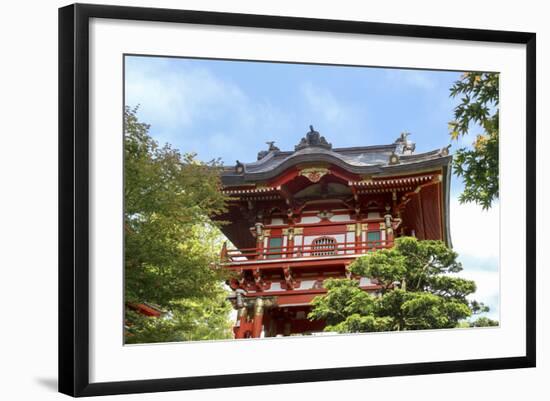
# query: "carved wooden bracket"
290,283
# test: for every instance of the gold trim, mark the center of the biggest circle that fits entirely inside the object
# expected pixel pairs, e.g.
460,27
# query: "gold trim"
259,307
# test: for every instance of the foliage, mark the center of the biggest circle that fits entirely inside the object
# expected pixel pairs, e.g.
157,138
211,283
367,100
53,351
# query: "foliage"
478,165
189,319
484,322
417,291
171,245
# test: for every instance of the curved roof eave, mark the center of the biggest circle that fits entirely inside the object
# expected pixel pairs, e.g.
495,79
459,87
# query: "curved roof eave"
420,161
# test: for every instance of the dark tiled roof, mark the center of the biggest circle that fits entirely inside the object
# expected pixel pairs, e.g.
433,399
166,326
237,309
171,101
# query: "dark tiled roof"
397,157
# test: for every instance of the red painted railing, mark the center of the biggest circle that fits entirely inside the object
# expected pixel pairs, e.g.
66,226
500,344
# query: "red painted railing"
304,251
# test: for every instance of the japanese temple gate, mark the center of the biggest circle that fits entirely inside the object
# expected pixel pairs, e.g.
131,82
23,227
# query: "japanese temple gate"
299,217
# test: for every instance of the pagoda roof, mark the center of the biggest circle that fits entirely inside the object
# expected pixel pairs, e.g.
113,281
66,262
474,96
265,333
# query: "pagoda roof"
391,159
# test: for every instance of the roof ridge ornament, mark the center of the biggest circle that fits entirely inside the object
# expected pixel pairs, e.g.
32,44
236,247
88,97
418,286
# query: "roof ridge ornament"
239,167
313,139
445,150
272,148
404,146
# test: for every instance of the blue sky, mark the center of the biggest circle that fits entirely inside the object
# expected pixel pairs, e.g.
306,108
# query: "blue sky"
229,109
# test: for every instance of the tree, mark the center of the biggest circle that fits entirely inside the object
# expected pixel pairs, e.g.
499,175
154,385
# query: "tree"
478,165
171,244
417,291
484,322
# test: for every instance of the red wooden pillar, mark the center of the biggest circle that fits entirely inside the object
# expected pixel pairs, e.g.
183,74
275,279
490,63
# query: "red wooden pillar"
241,327
258,318
389,235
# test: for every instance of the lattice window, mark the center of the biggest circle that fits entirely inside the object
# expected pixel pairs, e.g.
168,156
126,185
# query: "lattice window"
275,247
323,246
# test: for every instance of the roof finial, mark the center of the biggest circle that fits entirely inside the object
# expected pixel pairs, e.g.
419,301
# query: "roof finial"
313,138
404,145
239,167
272,148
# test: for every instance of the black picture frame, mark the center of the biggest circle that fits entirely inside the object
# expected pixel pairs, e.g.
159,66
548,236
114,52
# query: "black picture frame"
74,198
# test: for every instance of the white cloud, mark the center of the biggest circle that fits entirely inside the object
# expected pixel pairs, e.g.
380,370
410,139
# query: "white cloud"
177,97
416,78
487,291
475,232
185,103
324,103
476,237
487,285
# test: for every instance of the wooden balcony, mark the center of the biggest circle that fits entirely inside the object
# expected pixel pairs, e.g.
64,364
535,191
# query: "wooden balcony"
310,251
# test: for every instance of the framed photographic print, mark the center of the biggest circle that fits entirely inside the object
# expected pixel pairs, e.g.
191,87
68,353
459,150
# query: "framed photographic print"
252,199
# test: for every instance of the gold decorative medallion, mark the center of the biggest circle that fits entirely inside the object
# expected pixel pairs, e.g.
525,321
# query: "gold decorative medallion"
314,174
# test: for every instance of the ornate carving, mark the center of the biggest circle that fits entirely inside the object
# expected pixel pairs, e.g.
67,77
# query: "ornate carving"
289,232
405,146
239,167
233,283
314,174
272,148
313,138
396,223
258,231
290,282
325,215
260,284
394,159
444,151
241,279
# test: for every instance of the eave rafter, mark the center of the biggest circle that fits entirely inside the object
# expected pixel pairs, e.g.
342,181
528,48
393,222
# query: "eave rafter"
435,179
391,182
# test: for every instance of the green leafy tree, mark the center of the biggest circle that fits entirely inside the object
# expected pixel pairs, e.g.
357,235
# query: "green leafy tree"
171,244
478,165
484,322
417,291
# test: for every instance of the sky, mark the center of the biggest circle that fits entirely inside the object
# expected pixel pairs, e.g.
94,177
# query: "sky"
228,109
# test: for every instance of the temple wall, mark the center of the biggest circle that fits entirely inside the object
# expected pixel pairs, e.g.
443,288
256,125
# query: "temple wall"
423,215
431,212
